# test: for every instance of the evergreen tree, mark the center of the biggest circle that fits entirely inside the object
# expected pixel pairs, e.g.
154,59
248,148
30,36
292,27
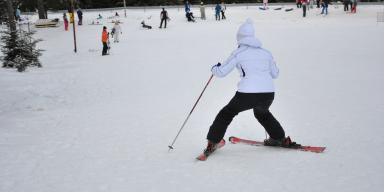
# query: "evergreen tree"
19,49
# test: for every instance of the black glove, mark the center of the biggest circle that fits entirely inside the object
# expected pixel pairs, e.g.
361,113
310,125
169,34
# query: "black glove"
217,65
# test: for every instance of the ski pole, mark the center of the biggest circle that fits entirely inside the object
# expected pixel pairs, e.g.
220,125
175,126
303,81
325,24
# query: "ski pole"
185,121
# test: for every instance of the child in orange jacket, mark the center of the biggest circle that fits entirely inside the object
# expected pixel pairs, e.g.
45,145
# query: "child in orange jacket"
104,40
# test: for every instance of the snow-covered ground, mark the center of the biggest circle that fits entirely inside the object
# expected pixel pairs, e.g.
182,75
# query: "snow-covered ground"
85,122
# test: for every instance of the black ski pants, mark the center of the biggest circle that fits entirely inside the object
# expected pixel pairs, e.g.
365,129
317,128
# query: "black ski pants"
165,23
304,10
105,48
259,102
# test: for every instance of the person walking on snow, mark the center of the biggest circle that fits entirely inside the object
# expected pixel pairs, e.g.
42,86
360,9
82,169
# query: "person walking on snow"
256,91
116,32
65,19
104,40
164,18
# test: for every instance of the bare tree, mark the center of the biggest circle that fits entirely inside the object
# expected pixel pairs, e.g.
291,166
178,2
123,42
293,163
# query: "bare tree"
41,9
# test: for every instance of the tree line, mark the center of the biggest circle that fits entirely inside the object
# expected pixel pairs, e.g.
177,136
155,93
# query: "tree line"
32,5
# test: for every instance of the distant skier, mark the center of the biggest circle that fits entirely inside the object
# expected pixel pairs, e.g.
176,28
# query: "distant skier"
304,4
164,17
202,11
346,3
80,16
145,25
223,8
265,4
190,17
18,14
217,11
65,19
116,32
255,89
354,5
104,40
324,4
187,7
298,3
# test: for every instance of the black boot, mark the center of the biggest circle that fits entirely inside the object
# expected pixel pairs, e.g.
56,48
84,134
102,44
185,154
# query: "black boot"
285,142
211,147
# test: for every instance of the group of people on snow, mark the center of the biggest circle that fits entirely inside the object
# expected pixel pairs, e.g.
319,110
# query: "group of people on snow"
350,3
115,34
324,4
220,8
79,15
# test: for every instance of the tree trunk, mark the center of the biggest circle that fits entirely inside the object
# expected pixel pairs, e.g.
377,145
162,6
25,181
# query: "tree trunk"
41,9
11,15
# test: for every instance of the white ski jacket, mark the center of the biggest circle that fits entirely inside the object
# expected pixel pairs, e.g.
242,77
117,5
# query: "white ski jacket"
256,65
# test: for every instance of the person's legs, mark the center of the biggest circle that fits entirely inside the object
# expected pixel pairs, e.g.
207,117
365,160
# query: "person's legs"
219,126
161,23
105,48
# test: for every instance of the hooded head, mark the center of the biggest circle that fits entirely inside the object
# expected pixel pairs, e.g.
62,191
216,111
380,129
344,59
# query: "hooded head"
246,34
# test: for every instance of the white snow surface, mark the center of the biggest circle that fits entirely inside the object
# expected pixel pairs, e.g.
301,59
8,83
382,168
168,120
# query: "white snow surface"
85,122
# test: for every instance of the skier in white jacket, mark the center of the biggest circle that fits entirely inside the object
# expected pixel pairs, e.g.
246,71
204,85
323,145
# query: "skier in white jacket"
257,70
116,32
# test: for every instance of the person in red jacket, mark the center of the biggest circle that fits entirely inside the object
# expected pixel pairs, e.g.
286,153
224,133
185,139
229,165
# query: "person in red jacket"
104,40
65,22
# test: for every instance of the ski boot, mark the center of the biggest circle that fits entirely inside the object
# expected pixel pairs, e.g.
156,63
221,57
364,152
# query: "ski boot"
211,147
285,142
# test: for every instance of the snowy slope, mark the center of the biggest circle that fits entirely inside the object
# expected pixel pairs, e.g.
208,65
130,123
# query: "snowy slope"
90,123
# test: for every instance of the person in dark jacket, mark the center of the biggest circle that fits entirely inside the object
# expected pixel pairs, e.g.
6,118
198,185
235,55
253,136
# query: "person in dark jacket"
346,3
190,17
164,18
304,5
325,7
80,16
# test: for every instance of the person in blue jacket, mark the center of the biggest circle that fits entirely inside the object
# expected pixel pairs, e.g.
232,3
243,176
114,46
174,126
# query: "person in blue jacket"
217,11
187,7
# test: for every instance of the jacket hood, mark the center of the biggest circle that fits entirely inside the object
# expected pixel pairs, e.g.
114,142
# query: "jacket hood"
246,34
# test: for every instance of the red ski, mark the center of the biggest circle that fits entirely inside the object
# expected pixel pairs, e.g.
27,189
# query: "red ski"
204,156
236,140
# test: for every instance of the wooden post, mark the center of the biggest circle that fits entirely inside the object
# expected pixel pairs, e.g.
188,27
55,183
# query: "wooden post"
74,26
